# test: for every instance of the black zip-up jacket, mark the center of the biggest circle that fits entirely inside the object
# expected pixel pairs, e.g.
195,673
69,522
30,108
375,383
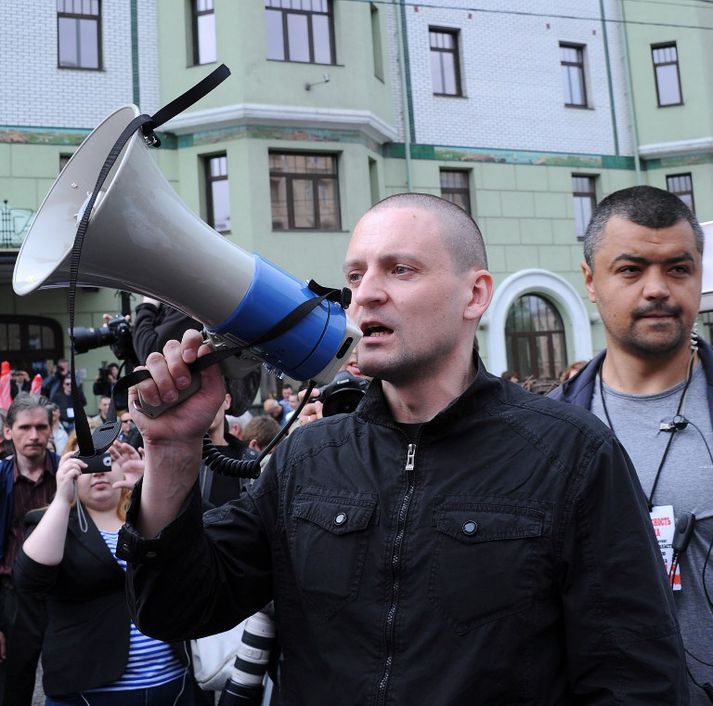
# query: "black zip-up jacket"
502,556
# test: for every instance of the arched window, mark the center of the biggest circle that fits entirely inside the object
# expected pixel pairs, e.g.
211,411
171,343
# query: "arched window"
535,338
28,341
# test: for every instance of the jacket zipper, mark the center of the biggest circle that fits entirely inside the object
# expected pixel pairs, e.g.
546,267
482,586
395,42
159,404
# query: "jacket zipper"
395,569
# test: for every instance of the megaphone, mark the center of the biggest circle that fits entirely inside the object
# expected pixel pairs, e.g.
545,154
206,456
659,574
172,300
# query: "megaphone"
707,284
142,238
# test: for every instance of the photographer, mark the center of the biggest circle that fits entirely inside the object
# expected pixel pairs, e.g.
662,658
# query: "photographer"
106,379
155,323
342,395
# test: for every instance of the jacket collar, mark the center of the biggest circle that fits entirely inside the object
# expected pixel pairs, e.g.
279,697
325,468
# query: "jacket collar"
374,408
91,540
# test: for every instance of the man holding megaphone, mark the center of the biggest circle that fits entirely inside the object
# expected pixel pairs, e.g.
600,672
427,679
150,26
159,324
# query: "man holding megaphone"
455,540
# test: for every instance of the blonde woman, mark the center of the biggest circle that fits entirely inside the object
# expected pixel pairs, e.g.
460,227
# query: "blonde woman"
93,655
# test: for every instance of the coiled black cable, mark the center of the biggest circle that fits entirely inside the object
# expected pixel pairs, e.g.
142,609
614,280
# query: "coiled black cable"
218,462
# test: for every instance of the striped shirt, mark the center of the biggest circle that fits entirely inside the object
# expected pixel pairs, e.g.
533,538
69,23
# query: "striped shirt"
151,662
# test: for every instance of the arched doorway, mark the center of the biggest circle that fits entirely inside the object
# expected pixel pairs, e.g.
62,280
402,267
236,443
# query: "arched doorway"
535,338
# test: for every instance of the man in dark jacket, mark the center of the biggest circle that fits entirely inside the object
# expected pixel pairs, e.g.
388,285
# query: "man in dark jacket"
27,481
454,541
653,385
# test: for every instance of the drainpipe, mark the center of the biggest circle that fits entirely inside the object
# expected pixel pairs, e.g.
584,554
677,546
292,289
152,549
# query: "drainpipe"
135,54
630,91
403,49
612,108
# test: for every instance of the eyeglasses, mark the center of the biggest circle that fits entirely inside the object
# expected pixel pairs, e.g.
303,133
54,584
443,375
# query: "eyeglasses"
126,421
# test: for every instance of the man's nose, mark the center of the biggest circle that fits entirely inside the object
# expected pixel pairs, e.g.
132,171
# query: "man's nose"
369,291
656,285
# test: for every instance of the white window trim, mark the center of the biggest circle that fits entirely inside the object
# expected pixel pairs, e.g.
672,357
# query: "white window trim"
568,300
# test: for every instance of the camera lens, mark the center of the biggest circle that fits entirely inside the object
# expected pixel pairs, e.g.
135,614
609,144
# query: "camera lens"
86,339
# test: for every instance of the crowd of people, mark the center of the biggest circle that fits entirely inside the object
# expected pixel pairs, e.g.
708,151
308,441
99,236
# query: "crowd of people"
454,539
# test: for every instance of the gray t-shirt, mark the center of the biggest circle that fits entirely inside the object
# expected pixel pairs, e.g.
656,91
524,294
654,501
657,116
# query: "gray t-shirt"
686,482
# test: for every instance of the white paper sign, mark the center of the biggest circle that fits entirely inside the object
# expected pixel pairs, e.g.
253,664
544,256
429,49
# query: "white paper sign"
662,519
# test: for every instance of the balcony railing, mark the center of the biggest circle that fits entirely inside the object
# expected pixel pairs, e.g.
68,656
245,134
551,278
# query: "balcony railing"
13,225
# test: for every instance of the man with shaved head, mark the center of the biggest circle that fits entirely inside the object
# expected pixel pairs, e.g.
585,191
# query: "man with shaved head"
454,541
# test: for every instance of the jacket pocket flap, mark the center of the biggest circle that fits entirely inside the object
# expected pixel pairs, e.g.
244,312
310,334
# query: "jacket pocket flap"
473,523
336,515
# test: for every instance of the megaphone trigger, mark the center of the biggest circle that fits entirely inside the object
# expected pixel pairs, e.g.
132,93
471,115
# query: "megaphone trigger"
154,411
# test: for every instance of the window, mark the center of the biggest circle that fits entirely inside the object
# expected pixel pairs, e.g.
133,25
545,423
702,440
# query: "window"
217,194
707,319
376,43
682,186
28,341
78,34
373,181
203,30
575,89
63,159
535,339
445,62
668,80
455,187
585,199
304,191
300,30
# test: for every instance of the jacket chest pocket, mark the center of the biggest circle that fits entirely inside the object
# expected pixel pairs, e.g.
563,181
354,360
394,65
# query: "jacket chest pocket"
485,559
329,539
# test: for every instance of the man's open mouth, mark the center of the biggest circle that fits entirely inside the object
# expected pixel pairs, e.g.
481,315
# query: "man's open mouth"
376,331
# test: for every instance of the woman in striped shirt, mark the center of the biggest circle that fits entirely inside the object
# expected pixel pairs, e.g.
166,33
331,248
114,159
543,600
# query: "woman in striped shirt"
93,654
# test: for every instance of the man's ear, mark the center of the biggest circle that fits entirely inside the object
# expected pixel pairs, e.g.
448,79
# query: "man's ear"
253,445
6,433
481,294
588,284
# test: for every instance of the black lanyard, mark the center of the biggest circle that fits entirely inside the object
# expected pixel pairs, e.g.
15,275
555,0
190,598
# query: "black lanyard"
672,430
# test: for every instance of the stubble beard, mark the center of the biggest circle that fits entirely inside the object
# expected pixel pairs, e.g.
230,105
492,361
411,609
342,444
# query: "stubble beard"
403,367
654,344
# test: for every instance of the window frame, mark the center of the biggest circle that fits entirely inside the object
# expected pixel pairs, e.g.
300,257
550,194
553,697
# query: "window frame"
554,338
195,14
26,355
97,19
684,175
656,65
457,77
463,191
592,195
209,181
285,12
376,44
581,67
290,177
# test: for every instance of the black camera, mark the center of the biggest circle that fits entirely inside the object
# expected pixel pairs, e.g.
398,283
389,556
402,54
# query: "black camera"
115,333
343,394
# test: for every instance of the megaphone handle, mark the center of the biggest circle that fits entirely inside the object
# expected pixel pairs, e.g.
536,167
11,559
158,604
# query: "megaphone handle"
154,411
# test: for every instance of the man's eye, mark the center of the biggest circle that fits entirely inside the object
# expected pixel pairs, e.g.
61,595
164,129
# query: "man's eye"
353,277
401,270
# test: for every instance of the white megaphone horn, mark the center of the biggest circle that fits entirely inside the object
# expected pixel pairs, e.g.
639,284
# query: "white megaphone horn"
142,238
